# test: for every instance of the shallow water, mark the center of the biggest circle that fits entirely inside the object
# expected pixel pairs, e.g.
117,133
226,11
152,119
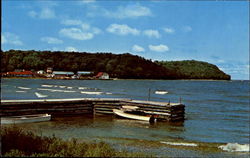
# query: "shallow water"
217,112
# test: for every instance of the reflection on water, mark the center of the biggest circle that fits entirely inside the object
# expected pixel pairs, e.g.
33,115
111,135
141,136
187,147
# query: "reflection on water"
106,126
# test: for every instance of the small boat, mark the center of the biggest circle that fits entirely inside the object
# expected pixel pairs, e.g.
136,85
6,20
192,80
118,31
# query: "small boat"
91,93
131,116
25,119
161,92
23,88
39,95
133,112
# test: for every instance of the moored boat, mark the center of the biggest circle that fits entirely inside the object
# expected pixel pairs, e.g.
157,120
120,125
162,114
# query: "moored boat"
25,119
161,92
130,116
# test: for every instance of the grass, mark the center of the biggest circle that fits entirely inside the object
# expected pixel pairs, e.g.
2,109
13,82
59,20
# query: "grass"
17,142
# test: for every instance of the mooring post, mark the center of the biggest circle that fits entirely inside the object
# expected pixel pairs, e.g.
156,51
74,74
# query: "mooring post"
149,94
180,100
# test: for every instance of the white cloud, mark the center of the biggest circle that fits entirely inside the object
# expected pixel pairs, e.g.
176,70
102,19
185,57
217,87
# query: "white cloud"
47,13
71,49
76,33
87,1
10,38
187,29
122,12
158,48
71,22
3,39
51,40
84,31
152,33
122,29
234,67
32,14
169,30
96,30
137,48
85,26
131,11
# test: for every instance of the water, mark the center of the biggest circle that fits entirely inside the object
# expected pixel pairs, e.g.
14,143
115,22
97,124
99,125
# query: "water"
217,112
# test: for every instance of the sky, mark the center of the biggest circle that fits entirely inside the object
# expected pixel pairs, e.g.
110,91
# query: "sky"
212,31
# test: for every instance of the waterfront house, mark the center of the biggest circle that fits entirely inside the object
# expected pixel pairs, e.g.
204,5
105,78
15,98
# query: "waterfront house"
102,75
62,74
49,70
40,72
84,73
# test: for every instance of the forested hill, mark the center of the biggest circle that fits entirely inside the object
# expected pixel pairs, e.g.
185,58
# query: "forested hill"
121,65
191,69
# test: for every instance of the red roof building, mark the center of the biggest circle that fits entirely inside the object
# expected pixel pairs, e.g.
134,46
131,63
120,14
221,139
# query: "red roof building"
22,73
102,75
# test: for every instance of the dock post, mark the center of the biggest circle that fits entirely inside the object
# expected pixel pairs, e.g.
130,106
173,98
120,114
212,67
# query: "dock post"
149,90
180,100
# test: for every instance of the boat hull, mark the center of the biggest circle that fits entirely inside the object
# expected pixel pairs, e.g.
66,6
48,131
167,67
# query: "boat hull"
130,116
25,119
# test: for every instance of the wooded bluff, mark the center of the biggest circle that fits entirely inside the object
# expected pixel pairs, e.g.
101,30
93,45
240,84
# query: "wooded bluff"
125,66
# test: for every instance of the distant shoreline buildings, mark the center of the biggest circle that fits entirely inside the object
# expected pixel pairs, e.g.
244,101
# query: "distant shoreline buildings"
50,74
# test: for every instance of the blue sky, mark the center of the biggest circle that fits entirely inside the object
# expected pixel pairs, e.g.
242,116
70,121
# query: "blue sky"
213,31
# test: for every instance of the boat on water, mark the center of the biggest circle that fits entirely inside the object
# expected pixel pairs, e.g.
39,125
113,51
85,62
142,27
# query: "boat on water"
25,118
130,116
133,112
162,92
39,95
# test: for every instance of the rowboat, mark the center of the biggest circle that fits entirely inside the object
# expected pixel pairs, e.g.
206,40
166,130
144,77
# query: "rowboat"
130,116
25,119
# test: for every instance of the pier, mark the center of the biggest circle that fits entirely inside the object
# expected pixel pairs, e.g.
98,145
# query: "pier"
95,106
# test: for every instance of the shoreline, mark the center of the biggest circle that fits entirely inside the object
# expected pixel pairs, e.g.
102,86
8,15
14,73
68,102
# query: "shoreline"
121,79
168,147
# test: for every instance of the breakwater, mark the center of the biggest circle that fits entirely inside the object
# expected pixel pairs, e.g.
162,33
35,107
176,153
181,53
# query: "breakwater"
95,106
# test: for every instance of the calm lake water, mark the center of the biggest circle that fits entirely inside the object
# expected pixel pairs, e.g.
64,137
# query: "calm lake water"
217,113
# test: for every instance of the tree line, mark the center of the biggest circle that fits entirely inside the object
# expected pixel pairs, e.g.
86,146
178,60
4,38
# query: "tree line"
125,66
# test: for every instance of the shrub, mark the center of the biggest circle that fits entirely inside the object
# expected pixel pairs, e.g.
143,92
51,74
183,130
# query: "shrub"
19,143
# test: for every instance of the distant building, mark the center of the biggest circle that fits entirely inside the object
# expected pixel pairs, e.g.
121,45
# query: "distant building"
19,70
49,70
62,74
40,72
20,73
84,73
102,75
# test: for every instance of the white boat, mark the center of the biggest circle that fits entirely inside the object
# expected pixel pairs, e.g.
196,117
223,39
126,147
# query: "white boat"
39,95
161,92
25,119
23,88
91,93
131,116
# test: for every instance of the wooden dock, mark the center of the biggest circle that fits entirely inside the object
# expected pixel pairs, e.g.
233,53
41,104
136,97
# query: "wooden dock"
95,106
